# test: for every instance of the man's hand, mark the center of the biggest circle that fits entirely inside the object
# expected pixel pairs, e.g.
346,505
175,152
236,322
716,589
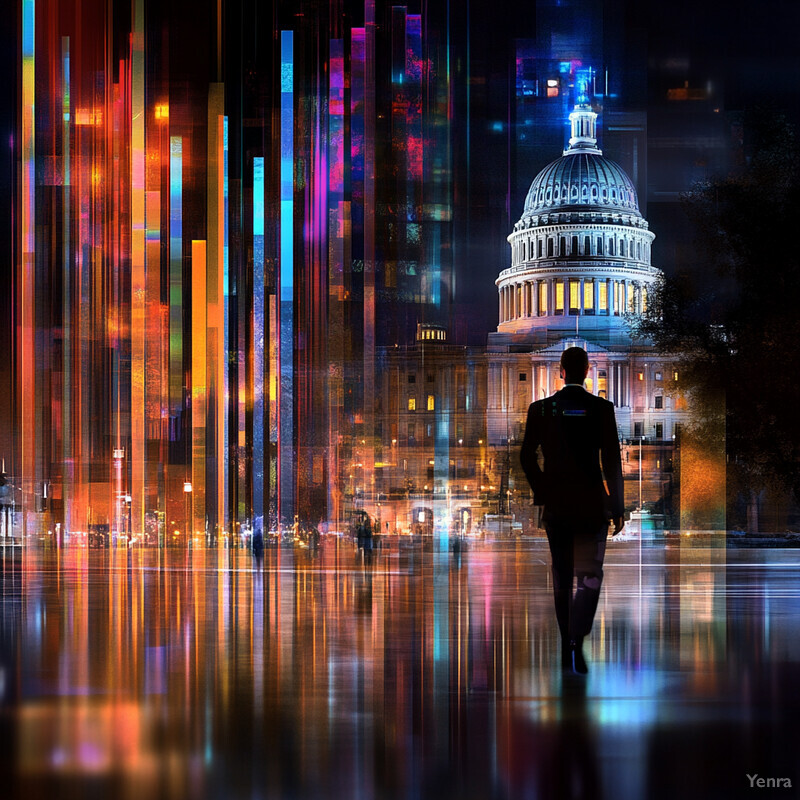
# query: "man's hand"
619,524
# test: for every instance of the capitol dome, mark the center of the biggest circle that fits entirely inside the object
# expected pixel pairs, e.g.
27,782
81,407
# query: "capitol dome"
579,181
580,253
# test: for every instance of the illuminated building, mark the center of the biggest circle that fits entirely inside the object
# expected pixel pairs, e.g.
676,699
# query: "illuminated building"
580,265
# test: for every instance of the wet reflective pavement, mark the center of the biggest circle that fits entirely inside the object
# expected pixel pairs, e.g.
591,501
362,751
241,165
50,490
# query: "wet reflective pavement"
132,674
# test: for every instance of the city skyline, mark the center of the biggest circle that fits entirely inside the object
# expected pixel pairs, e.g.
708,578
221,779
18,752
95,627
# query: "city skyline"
169,329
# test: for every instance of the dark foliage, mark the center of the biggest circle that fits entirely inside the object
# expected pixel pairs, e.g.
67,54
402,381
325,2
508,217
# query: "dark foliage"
732,314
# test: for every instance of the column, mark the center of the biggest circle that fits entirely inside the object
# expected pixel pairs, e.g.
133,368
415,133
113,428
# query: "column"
580,296
500,305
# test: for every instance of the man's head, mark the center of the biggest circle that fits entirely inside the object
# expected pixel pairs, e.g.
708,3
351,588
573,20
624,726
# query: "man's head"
574,365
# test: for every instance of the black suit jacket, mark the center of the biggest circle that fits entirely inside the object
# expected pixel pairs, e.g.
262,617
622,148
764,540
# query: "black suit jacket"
576,432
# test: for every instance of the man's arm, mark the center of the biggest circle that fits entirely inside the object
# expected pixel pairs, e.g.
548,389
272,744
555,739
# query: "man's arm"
528,455
612,467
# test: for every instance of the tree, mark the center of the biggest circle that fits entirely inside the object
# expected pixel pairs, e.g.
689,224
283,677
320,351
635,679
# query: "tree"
732,314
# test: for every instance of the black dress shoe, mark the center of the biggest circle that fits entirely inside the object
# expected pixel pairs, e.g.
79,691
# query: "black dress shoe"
577,663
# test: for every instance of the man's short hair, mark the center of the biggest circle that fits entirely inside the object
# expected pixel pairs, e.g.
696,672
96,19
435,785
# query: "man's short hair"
575,363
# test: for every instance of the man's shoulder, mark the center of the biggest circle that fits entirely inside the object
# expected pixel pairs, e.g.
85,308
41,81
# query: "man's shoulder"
601,402
539,406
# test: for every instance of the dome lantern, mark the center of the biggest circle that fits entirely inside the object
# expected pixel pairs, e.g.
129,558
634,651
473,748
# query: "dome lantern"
584,130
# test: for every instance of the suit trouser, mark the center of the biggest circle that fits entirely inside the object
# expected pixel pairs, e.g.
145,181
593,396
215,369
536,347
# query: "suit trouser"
577,549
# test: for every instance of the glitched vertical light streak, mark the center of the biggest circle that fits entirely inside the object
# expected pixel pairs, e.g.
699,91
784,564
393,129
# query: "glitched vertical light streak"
66,306
338,216
175,280
27,267
345,222
199,379
286,461
368,429
259,414
213,502
138,267
223,515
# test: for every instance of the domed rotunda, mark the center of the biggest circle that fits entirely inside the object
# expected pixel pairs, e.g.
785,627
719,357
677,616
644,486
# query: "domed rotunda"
580,253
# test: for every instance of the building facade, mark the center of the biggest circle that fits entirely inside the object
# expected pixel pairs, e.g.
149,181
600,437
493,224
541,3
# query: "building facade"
452,418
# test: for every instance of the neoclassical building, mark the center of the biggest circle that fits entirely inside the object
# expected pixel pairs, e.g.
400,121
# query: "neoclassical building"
580,264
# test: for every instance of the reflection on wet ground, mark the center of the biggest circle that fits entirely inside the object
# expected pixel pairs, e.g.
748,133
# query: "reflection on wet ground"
419,674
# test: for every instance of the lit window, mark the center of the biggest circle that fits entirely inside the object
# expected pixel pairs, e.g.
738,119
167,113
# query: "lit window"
603,299
640,375
675,376
431,402
542,299
644,299
574,296
588,295
412,403
559,297
630,297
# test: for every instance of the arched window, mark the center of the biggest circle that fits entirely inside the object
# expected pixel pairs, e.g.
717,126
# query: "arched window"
574,245
539,246
599,246
562,246
611,247
587,246
550,246
622,248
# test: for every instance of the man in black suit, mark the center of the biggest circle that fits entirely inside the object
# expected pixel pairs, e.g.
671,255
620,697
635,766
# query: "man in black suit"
575,431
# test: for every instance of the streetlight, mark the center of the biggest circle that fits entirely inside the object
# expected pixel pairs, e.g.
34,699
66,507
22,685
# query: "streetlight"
118,454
